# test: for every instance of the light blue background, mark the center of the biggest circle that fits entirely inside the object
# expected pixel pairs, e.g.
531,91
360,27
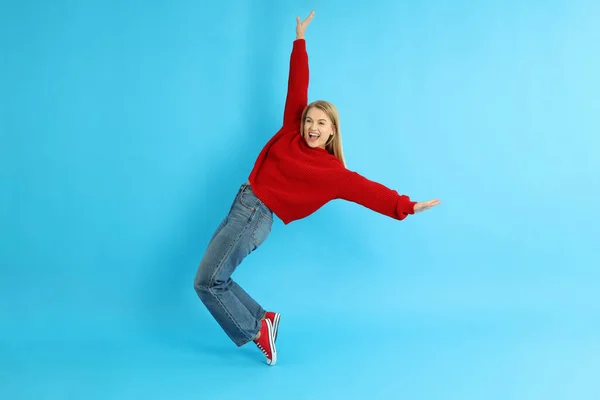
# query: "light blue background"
127,127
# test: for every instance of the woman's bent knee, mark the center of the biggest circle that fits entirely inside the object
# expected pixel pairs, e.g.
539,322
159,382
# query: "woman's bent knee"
201,280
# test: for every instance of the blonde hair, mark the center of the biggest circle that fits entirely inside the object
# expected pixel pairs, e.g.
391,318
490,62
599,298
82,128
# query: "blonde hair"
334,144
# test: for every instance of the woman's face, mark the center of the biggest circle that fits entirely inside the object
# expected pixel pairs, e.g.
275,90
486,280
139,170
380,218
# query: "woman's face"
317,128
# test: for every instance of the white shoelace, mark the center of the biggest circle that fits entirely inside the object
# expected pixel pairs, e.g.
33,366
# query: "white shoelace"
263,350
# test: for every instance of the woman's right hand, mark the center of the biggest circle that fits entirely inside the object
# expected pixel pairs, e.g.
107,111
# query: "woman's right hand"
426,205
301,26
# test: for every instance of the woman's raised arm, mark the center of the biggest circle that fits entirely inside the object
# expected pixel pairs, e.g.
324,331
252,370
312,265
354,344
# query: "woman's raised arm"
297,94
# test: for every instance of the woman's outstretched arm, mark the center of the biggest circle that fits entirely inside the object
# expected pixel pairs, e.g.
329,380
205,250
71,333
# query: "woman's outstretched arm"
297,94
379,198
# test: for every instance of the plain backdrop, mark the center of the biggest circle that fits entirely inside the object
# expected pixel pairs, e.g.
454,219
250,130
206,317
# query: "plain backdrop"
127,127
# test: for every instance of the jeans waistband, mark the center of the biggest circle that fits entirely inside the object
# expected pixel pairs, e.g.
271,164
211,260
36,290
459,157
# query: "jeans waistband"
246,187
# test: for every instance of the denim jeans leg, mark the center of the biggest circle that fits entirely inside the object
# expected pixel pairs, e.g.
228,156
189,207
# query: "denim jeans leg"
252,306
237,236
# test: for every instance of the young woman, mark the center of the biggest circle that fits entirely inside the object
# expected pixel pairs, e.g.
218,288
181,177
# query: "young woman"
298,171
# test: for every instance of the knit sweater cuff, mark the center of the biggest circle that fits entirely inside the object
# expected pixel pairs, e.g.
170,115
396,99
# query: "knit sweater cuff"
404,207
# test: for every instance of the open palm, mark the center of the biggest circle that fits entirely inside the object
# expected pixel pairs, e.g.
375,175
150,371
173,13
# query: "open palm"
426,205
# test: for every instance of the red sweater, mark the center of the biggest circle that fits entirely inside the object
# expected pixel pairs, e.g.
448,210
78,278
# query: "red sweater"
295,180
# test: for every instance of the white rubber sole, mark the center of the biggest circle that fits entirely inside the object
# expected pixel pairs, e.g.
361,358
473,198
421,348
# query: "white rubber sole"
276,326
270,331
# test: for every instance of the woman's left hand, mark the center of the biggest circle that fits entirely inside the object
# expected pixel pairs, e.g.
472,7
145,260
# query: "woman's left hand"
426,205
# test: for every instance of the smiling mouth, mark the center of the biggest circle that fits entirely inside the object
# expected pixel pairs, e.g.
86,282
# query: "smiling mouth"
313,136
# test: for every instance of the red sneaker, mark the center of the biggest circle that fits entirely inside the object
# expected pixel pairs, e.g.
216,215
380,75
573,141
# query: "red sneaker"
266,342
274,318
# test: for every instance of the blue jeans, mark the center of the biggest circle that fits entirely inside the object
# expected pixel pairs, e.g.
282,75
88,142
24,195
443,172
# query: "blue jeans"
246,227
